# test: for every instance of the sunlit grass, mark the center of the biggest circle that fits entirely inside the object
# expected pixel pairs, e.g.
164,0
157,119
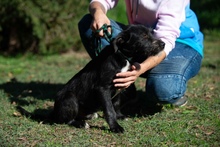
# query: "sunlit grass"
32,82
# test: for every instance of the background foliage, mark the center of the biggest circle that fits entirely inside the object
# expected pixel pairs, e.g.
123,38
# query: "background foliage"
40,26
208,13
50,26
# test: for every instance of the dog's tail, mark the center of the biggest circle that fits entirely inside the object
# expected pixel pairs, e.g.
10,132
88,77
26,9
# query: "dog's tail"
38,117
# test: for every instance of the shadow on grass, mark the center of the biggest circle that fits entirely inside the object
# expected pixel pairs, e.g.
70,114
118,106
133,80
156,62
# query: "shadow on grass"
19,91
140,108
26,94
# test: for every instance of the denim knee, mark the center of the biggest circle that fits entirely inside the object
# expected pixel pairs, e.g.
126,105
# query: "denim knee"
167,82
165,88
84,23
86,33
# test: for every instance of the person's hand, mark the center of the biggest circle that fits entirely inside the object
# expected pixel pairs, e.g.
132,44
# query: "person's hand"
125,79
99,19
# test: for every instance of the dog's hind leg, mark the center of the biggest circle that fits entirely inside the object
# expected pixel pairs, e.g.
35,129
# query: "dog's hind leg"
66,108
110,115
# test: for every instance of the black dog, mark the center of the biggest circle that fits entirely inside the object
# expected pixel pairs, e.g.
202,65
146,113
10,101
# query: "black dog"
92,88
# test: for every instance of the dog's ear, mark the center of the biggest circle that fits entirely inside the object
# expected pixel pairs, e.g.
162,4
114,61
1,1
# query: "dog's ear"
115,45
126,27
137,65
117,42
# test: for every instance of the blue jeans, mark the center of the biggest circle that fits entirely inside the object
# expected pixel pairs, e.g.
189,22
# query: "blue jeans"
167,82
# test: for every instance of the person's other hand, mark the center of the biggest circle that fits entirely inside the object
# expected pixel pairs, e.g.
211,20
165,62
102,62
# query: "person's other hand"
125,79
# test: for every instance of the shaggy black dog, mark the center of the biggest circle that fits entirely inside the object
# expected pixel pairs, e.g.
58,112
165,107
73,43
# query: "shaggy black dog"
92,88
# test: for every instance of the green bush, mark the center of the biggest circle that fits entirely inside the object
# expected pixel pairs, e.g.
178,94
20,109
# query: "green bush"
40,26
208,13
50,26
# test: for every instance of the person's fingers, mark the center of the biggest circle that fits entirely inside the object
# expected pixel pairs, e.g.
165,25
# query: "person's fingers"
96,28
126,74
109,30
100,33
123,85
124,79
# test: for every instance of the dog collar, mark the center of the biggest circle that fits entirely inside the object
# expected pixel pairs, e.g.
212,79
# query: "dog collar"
127,58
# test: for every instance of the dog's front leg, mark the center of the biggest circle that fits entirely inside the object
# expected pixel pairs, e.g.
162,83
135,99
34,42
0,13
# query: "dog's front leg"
104,95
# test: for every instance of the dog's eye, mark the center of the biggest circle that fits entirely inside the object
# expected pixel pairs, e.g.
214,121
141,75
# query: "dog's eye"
145,36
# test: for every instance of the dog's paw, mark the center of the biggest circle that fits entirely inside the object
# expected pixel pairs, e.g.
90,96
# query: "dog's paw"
86,126
92,116
117,129
121,116
79,124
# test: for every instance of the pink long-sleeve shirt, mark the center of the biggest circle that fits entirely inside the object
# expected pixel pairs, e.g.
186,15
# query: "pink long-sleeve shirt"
165,16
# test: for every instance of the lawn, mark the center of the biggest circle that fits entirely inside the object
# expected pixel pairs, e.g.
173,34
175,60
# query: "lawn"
32,82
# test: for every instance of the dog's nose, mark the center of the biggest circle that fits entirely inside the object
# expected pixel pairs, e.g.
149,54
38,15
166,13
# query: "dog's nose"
162,44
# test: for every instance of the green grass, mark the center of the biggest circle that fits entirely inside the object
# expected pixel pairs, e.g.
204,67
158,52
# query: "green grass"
32,82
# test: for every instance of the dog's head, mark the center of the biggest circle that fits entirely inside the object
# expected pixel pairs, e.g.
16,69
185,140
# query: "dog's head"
137,43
